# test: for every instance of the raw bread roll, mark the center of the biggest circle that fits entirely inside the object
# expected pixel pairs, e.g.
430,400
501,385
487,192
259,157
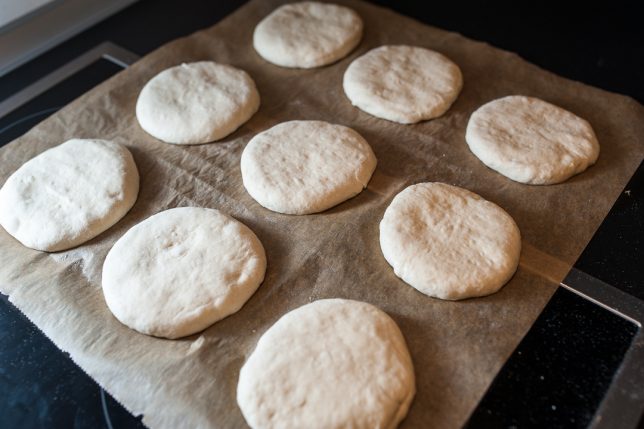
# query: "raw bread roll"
404,84
69,194
196,103
334,363
448,242
531,141
181,270
307,34
302,167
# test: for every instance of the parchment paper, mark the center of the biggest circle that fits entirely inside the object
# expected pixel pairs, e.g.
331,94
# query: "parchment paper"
457,347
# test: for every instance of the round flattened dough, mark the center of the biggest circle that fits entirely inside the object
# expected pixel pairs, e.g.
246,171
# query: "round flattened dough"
531,141
181,270
69,194
448,242
302,167
404,84
307,34
196,103
334,363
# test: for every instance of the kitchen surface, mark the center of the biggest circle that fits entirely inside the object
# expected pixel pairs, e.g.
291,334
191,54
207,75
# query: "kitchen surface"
579,365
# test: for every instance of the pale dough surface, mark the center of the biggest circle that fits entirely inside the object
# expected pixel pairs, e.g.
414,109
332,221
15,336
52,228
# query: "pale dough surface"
302,167
531,141
181,270
404,84
334,363
307,34
69,194
448,242
196,103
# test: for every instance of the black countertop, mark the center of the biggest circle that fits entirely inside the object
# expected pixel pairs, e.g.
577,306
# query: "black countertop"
600,45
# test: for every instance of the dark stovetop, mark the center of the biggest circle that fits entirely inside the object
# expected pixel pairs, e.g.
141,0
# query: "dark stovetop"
559,373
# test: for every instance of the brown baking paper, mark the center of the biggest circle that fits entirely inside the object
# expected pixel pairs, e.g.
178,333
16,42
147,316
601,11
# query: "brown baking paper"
457,347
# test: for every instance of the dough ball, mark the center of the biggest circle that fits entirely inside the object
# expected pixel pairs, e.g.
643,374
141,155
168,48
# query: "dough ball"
196,103
404,84
69,194
302,167
448,242
307,34
334,363
531,141
181,270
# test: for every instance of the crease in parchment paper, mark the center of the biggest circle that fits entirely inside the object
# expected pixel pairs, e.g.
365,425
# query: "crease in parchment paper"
457,347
